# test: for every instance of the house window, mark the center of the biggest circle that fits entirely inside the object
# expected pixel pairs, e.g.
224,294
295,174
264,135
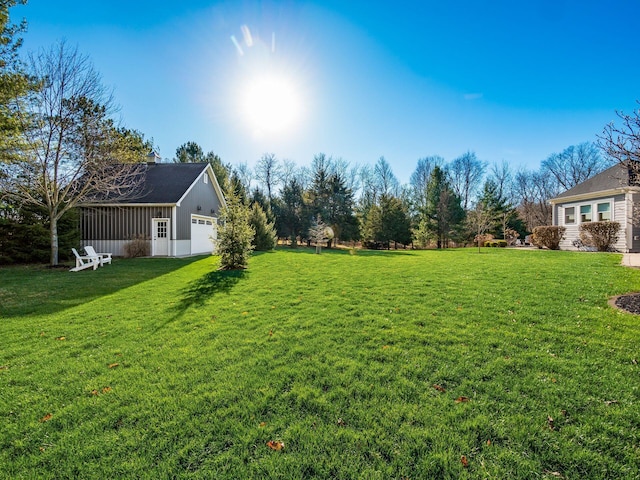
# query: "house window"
585,213
205,177
193,220
569,215
604,212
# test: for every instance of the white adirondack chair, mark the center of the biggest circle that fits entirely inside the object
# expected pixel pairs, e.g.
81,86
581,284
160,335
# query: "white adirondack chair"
102,257
84,262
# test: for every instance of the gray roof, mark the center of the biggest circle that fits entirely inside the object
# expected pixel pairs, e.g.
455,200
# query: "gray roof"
612,178
168,182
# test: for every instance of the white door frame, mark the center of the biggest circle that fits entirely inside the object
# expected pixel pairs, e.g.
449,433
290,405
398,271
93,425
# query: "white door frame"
156,247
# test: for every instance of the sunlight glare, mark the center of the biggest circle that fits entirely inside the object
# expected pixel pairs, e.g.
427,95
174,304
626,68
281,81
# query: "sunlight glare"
271,104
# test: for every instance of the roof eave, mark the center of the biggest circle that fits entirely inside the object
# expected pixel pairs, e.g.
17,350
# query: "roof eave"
587,196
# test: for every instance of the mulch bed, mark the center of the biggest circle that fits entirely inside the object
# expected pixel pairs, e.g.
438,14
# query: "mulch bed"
629,303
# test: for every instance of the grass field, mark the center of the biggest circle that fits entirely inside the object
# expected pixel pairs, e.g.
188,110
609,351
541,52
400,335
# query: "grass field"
429,364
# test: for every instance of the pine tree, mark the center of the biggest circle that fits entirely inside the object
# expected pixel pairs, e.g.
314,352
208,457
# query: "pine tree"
236,235
265,238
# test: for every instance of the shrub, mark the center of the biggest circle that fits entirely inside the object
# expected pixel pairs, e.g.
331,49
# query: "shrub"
601,235
510,235
138,246
483,239
495,243
548,236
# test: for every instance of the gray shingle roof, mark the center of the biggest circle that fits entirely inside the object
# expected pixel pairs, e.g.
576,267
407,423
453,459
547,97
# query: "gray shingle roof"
612,178
167,182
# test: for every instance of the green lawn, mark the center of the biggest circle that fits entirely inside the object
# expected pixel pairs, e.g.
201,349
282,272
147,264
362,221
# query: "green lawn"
154,368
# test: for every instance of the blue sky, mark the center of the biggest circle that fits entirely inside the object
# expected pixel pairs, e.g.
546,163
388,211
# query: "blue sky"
512,81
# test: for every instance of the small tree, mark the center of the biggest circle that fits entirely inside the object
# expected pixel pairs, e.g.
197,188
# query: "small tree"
480,221
236,234
319,232
265,232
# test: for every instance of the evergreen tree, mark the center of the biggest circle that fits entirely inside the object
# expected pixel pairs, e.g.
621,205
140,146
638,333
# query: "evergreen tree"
265,233
236,234
443,214
292,213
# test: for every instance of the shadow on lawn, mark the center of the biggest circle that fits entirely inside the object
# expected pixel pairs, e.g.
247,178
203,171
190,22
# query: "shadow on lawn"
210,284
36,289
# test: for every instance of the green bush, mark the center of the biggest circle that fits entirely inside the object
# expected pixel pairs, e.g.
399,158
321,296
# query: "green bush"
601,235
495,243
25,237
548,236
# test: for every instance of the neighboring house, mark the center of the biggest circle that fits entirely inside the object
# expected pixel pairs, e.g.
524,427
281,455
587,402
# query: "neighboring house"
609,196
176,211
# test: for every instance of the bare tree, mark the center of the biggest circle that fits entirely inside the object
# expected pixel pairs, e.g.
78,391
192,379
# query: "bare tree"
420,179
622,142
502,176
70,151
534,189
480,220
465,175
269,172
386,181
575,164
243,171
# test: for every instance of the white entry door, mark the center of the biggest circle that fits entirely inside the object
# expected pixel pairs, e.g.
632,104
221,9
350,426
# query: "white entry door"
160,242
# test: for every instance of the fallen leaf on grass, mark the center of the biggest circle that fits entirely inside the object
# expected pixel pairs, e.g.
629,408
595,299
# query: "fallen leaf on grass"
384,347
61,338
94,392
610,402
464,461
488,442
46,418
42,334
271,333
341,422
554,474
634,361
4,367
462,399
262,424
439,388
106,389
550,422
114,365
275,445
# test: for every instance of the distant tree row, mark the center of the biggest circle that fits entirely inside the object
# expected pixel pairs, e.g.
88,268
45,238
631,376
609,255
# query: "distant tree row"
443,202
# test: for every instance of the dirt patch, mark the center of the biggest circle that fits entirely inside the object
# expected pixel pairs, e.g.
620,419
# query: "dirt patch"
629,303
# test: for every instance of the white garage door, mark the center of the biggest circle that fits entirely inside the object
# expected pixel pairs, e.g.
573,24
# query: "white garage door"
202,228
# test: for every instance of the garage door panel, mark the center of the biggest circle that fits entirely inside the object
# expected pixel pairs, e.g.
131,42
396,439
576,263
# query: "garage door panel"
202,228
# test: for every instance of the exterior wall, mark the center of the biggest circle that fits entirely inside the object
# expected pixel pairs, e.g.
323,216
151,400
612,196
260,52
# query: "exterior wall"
619,208
108,229
203,195
182,248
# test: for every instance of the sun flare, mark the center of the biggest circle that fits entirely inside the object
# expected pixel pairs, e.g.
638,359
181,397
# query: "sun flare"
271,104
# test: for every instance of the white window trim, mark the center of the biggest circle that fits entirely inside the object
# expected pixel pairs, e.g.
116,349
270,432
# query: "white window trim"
594,211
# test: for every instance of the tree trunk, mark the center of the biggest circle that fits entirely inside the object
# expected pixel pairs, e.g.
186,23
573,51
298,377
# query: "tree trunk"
53,229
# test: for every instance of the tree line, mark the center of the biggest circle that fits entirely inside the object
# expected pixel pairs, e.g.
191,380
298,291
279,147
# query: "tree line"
444,203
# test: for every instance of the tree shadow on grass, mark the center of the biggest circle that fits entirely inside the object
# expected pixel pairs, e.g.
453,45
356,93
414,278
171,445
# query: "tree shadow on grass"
207,286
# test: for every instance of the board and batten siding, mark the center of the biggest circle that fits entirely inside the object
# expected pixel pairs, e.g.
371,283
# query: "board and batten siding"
109,228
203,195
